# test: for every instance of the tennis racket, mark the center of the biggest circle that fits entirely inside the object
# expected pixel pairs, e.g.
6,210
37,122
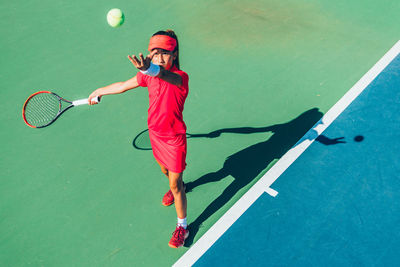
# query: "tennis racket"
43,108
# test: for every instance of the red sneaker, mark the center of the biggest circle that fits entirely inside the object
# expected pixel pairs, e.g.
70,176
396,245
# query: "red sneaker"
168,199
178,237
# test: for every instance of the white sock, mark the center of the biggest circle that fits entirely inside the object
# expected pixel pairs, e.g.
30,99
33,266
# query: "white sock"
182,222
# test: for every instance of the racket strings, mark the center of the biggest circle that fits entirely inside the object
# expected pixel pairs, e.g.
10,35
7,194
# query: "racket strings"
42,109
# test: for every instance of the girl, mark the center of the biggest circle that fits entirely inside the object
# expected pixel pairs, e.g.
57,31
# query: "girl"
168,89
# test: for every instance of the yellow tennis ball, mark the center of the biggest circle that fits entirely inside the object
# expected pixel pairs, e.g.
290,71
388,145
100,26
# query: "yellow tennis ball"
115,17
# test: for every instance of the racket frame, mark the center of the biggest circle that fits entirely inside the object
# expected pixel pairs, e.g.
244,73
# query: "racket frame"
72,104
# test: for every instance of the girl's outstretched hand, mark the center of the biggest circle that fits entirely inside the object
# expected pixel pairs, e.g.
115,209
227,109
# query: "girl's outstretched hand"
93,95
143,63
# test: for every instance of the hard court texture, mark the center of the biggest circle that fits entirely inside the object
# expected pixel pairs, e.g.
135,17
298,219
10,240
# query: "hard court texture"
79,194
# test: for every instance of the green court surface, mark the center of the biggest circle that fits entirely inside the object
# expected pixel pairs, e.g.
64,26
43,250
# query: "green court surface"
78,193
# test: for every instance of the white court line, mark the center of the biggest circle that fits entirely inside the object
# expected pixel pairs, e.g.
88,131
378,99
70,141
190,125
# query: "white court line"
263,185
271,191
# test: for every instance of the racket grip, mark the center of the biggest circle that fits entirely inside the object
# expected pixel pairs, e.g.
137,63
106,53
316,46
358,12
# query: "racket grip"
85,101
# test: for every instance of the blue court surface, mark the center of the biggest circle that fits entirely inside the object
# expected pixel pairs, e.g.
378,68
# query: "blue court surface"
338,203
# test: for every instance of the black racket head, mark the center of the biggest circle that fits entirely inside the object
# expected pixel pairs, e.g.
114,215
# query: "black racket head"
42,108
142,141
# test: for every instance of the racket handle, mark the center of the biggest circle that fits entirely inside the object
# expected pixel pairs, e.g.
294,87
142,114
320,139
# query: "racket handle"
85,101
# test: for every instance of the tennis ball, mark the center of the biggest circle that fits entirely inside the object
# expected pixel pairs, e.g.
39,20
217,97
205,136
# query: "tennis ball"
115,17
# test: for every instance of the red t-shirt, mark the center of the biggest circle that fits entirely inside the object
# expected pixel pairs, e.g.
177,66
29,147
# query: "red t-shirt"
166,103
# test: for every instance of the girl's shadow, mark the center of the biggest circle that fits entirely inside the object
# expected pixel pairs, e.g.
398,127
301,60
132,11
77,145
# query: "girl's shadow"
245,165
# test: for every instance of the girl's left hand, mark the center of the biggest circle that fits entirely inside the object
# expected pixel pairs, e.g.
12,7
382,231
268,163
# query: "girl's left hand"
143,63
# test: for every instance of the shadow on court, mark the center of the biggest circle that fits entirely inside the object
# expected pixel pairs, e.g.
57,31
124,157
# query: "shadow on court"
245,165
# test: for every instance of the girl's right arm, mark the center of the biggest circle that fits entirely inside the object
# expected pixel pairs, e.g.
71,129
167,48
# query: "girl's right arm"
115,88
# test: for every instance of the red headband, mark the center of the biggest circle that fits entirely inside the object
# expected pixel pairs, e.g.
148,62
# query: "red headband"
162,41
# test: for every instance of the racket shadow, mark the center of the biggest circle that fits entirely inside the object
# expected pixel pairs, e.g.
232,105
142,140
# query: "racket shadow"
142,141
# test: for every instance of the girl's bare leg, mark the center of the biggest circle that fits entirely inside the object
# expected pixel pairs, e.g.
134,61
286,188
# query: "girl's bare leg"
163,169
176,186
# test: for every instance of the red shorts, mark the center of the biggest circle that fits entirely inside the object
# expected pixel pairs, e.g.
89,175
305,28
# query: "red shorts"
170,151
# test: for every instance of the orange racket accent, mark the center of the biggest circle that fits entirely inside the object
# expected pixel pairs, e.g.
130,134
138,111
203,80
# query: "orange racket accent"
24,107
26,104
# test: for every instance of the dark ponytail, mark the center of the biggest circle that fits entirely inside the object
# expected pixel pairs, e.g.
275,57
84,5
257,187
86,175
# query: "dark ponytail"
172,34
